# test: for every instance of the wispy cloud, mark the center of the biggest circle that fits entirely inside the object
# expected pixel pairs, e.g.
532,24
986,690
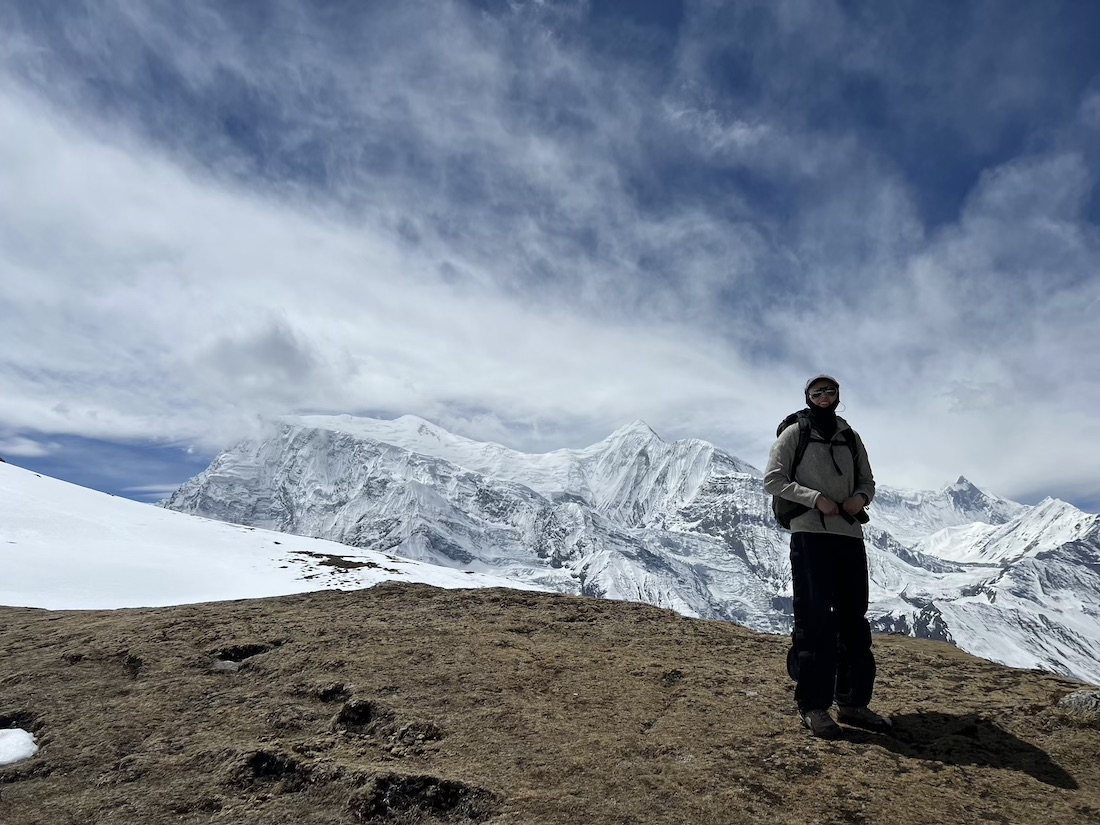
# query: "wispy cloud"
21,447
151,492
489,219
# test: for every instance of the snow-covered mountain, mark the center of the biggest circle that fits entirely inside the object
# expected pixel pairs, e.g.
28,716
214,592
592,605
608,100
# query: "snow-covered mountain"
64,547
585,521
682,525
911,515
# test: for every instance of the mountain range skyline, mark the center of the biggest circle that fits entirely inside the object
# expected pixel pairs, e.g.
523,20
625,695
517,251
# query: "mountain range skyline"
136,459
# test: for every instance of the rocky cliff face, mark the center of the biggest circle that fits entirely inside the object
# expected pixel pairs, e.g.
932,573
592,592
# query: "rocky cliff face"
682,525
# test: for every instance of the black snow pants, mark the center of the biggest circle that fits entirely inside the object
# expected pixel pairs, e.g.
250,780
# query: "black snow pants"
832,635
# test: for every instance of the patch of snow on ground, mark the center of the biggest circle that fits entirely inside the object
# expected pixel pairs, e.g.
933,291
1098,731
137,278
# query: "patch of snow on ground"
15,746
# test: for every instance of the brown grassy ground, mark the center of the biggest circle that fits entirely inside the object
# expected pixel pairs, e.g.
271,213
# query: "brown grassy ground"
407,704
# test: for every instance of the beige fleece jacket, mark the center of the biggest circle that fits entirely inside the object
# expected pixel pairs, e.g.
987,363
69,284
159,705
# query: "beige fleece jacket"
817,476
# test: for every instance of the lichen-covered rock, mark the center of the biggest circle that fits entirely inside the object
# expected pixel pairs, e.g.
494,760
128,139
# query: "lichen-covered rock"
1083,705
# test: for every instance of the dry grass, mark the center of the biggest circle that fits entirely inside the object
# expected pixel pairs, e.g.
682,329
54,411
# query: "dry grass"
406,704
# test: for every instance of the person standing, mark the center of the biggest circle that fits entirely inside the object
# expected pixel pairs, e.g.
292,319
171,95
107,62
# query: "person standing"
833,483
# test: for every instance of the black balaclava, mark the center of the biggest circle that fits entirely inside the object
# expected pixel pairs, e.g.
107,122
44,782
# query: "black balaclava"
824,418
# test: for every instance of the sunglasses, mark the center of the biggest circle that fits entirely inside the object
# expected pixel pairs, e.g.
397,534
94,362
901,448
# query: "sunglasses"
823,392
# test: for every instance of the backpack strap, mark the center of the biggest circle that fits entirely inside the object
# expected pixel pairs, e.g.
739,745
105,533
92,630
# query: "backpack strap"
803,441
850,441
802,418
853,445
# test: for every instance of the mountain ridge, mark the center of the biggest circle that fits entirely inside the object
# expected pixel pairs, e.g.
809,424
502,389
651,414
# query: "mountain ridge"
681,524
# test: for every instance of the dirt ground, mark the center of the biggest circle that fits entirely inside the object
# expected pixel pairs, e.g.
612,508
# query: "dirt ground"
409,704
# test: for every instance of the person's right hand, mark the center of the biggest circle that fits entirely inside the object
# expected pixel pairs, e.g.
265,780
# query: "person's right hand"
853,505
826,505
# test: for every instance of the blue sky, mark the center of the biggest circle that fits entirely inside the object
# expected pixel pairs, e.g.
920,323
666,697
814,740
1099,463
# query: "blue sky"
533,222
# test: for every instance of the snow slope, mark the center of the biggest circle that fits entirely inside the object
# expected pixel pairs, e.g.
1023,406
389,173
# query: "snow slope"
64,547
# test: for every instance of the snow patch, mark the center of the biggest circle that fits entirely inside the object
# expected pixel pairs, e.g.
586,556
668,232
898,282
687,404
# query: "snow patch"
16,745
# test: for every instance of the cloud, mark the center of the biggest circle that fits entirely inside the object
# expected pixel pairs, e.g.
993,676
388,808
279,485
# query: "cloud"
21,447
1090,111
150,492
188,298
480,218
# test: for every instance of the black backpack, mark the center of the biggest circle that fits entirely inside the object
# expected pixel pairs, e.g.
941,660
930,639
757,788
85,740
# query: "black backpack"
786,510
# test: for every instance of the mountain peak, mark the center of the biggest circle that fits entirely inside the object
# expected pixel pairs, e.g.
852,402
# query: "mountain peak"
1057,505
637,426
416,421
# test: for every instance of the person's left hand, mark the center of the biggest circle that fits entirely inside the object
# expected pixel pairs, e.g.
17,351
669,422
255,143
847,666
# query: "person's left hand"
853,505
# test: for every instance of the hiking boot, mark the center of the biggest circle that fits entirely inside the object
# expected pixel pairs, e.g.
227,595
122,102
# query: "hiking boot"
863,717
821,724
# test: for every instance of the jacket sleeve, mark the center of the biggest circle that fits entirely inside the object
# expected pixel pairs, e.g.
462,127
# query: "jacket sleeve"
866,477
777,476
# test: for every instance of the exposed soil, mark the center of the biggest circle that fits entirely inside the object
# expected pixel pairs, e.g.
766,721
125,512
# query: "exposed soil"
410,704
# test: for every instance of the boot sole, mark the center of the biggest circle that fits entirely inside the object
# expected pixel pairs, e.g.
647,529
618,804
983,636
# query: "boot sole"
887,728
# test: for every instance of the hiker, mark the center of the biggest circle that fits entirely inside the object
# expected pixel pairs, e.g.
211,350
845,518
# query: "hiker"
823,493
